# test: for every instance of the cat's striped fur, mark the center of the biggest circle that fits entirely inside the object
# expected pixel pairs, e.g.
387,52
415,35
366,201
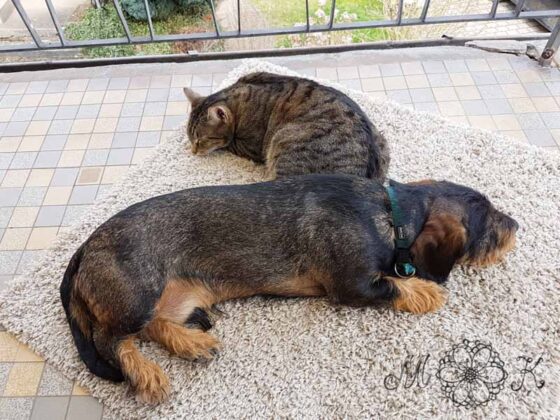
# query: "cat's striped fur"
293,125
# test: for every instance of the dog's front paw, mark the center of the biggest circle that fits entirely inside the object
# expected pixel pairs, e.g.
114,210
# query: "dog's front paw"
418,296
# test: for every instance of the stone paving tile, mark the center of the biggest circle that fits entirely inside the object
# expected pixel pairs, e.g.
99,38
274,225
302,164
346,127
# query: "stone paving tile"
422,95
9,261
64,177
540,137
52,408
27,259
53,383
15,408
388,70
32,196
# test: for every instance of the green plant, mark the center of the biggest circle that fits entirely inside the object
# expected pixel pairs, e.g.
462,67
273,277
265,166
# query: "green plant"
292,12
104,23
159,9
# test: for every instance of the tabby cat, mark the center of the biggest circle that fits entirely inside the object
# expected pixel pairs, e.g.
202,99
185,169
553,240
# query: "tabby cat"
294,126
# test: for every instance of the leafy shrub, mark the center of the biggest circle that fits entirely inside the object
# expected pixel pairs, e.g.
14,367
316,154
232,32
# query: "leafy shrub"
159,9
104,23
99,23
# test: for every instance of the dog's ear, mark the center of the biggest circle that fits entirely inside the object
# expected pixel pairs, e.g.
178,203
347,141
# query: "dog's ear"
439,245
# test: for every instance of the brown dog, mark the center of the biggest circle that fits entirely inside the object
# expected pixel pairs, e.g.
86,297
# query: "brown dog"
146,270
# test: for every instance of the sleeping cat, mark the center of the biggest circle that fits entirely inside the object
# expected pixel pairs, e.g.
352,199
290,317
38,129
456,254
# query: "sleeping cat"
294,126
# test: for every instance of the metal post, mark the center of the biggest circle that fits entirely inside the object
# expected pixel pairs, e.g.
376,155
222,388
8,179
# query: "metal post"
149,14
28,24
123,20
519,7
238,17
56,23
214,17
307,14
551,46
425,10
331,18
494,9
399,12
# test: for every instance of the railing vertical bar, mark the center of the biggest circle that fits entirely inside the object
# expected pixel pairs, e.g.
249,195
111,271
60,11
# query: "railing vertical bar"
214,17
150,24
331,18
552,46
123,20
55,21
494,8
238,16
28,24
307,14
519,7
400,12
425,10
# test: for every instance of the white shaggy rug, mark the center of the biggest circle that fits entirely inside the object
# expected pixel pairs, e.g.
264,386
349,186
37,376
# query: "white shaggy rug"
302,358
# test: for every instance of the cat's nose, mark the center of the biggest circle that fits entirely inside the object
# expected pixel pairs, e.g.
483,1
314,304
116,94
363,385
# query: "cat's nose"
194,149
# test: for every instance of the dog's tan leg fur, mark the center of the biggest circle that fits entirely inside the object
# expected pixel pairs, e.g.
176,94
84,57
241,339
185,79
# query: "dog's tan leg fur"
181,341
148,380
178,300
417,295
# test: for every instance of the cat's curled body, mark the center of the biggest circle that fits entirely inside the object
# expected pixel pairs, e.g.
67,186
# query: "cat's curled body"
294,126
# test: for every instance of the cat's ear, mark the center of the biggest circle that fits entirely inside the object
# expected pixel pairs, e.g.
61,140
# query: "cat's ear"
193,97
219,114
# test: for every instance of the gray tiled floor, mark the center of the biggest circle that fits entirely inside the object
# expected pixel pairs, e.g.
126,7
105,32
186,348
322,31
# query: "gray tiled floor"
66,136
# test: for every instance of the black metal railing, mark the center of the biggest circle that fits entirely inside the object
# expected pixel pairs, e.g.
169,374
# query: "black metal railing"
400,20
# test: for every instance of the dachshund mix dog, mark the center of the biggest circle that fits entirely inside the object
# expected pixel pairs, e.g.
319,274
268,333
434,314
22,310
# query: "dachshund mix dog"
149,268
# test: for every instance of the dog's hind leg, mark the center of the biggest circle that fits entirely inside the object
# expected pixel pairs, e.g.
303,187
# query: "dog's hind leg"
181,341
199,319
147,379
180,301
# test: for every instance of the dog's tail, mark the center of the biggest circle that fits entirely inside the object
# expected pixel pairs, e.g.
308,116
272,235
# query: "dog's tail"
81,326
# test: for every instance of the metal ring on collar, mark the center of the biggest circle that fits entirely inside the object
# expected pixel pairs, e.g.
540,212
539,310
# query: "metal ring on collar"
404,276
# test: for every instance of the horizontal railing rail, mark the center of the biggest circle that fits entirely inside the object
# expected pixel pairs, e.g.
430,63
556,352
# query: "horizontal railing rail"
400,20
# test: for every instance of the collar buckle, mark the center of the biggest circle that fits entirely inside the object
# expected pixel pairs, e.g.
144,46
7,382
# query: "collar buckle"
403,267
404,270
